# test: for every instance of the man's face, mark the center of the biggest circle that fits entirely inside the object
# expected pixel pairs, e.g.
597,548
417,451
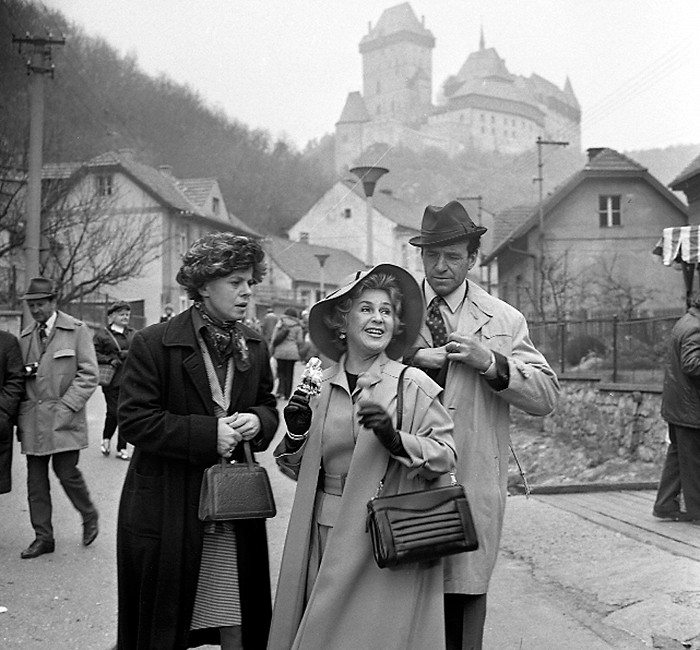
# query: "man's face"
447,266
42,309
120,317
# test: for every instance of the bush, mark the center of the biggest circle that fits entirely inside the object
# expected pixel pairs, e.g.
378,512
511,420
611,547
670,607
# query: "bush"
581,346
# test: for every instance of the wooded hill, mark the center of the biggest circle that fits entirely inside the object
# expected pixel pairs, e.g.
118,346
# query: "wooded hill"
100,101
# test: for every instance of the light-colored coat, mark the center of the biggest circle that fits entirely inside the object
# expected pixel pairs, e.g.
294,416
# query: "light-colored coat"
52,413
482,425
354,604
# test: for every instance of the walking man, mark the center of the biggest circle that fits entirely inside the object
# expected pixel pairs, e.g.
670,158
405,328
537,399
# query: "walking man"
479,349
60,375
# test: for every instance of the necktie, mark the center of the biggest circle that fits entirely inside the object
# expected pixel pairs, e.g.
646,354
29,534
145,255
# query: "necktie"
42,336
435,323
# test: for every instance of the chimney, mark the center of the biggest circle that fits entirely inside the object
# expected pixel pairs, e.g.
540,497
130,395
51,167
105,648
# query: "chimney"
593,152
127,153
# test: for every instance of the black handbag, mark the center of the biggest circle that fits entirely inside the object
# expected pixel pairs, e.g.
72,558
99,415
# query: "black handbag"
419,526
239,490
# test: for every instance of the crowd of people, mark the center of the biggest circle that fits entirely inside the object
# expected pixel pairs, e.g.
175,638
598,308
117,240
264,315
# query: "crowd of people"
417,385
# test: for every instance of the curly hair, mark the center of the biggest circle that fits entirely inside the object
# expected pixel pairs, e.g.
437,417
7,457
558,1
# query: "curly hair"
217,255
337,319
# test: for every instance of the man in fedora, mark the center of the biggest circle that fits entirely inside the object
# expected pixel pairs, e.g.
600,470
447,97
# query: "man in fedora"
60,375
479,349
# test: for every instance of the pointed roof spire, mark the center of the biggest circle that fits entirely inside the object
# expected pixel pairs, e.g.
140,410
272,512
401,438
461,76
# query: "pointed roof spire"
482,43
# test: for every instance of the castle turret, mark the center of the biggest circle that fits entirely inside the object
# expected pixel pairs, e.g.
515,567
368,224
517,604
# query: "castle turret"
349,131
397,66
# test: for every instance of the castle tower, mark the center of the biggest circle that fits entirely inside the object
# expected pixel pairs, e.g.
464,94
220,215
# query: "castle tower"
397,67
349,130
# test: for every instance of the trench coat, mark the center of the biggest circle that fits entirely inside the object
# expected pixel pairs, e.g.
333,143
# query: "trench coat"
11,391
166,412
482,424
52,414
353,603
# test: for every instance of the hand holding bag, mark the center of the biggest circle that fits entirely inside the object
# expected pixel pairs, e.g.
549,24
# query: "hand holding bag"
239,490
422,525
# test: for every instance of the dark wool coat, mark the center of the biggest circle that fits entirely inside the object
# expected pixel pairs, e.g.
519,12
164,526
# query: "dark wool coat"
11,391
166,412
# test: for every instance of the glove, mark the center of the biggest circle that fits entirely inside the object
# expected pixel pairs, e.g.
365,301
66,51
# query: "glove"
297,413
373,416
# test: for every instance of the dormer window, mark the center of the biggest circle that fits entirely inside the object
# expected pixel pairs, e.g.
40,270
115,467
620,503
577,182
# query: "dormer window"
105,185
347,213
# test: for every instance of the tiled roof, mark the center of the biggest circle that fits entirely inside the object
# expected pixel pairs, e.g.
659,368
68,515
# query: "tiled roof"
402,213
693,169
298,261
610,160
243,227
399,18
354,109
197,190
509,220
59,171
484,63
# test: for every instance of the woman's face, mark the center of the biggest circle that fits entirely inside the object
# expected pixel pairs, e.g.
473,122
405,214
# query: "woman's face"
227,298
370,323
120,317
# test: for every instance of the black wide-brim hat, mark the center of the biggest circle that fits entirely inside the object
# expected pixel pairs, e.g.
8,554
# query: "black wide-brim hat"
447,224
412,313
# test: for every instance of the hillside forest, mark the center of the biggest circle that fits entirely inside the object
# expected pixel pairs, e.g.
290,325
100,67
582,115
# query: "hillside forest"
100,100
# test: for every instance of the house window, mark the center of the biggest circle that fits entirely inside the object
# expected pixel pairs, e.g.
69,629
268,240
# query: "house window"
347,213
609,210
215,205
304,237
105,185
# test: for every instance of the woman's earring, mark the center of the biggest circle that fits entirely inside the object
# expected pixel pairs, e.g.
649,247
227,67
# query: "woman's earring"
341,336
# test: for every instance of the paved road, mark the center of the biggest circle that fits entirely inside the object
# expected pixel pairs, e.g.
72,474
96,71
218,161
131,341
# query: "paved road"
67,600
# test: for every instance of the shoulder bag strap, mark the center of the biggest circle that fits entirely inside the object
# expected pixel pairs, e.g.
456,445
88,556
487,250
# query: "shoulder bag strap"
399,422
114,338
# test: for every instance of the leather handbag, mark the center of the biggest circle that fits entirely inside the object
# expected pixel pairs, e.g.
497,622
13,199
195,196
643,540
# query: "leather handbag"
419,526
239,490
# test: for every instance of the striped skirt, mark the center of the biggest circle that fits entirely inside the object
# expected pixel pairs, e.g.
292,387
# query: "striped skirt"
218,602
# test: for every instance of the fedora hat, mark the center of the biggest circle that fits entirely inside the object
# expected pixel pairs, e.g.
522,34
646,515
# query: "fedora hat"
446,225
326,339
39,288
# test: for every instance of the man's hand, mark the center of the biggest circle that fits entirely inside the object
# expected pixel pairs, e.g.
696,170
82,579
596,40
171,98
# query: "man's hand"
431,357
467,349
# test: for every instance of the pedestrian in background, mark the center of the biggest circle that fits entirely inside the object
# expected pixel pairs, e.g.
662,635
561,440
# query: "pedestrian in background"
11,391
111,347
331,593
60,376
168,313
478,347
192,390
287,340
268,325
680,407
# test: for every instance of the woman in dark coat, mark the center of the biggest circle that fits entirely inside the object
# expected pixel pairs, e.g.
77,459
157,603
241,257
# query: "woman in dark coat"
193,389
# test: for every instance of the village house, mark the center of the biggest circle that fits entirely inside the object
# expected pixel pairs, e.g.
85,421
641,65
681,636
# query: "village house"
598,227
173,212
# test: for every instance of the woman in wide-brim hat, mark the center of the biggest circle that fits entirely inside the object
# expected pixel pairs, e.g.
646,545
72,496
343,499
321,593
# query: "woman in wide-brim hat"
330,592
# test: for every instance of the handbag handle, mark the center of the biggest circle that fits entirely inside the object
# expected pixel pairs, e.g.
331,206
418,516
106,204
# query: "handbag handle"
399,422
248,456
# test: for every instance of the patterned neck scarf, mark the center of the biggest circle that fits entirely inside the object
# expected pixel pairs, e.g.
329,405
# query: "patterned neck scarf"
226,337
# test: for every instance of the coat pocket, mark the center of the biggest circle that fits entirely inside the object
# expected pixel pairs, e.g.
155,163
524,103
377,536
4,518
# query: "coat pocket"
142,507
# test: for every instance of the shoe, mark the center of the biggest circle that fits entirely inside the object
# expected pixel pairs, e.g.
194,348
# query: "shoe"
671,515
38,547
123,454
90,530
104,447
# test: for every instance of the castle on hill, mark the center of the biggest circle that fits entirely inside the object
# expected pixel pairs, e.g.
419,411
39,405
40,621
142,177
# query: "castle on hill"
483,106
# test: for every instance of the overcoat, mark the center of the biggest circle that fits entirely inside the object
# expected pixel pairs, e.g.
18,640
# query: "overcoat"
482,424
108,351
52,414
288,349
353,603
166,412
11,391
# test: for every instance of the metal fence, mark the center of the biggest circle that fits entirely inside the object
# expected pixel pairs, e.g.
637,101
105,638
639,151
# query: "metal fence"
619,351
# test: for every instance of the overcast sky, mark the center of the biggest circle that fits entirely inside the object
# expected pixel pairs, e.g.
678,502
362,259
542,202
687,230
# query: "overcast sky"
286,66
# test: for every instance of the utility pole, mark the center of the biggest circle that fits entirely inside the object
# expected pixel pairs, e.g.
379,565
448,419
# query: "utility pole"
540,179
39,64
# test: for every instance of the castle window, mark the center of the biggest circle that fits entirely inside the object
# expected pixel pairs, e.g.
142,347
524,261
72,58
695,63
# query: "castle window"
215,204
609,210
483,117
304,237
379,87
379,109
483,129
493,119
347,213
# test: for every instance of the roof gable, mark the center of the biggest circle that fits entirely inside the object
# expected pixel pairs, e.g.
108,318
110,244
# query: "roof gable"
693,169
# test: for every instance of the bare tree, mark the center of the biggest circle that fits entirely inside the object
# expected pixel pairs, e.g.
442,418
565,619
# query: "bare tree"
90,244
615,288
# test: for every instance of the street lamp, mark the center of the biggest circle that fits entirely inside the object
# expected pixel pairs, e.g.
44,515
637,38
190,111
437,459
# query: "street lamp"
369,176
322,257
